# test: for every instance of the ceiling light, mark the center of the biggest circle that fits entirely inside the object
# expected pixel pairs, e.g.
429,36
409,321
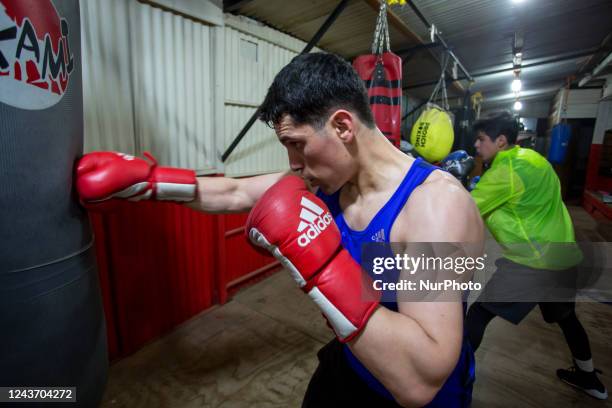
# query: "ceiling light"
518,106
516,85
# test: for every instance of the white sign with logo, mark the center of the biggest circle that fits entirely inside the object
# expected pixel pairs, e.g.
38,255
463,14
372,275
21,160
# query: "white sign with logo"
35,57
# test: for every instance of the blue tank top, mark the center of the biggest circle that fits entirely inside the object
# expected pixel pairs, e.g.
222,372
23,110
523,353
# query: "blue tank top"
457,390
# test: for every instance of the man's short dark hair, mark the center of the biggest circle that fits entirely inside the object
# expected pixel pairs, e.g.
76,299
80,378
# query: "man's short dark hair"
311,87
501,124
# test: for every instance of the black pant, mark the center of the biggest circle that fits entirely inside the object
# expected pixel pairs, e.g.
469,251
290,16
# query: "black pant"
335,384
480,314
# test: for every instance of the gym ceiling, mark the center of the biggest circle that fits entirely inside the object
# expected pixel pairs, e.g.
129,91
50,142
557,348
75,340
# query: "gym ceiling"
557,38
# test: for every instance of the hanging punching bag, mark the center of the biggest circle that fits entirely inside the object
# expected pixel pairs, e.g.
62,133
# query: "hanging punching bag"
52,330
559,142
383,79
382,74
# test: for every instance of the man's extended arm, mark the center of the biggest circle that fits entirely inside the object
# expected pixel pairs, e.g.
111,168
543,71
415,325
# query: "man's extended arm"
224,194
102,177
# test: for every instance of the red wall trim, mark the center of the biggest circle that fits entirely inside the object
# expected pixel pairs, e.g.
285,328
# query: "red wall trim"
254,274
235,231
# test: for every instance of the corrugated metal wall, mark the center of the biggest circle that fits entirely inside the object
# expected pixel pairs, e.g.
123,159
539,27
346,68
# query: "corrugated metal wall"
148,78
172,78
107,82
161,82
251,64
158,81
253,55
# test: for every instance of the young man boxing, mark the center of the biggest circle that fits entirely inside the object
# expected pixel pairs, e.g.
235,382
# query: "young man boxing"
387,354
519,198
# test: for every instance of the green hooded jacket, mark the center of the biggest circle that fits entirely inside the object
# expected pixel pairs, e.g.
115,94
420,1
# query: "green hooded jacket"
519,198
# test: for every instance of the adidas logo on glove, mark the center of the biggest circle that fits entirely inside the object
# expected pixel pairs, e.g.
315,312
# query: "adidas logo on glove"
313,221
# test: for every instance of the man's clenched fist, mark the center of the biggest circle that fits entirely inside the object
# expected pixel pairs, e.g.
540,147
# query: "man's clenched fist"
298,229
101,176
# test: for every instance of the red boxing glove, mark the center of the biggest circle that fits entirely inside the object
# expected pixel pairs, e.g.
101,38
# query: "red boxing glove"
298,229
101,176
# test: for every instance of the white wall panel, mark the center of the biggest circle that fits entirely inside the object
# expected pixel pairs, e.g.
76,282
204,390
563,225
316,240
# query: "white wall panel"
149,86
259,152
206,11
603,123
165,83
581,103
172,74
107,88
246,84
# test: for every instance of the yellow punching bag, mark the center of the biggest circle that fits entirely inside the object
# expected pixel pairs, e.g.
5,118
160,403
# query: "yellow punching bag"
432,134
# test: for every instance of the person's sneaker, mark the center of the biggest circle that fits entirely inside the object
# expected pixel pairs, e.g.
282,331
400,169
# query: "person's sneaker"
585,381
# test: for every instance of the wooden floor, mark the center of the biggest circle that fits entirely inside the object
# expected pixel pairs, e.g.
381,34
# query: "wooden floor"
259,350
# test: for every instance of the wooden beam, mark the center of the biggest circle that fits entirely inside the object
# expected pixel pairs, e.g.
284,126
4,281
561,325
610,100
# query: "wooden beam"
230,6
396,22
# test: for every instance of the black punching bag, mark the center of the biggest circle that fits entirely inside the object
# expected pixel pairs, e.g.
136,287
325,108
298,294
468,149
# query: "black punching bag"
52,330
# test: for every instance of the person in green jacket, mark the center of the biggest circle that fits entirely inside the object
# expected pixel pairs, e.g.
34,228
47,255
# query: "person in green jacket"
519,198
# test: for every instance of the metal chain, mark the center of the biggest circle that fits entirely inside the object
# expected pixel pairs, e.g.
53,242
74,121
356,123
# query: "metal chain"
443,82
381,33
386,28
441,85
376,34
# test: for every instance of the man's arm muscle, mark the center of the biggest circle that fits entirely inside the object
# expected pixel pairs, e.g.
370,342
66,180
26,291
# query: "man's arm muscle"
227,195
413,351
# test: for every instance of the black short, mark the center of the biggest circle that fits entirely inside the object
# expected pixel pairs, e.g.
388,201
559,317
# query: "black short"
513,282
335,384
514,290
515,312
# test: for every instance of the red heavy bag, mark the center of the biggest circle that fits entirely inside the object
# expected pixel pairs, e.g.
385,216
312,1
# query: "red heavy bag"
382,74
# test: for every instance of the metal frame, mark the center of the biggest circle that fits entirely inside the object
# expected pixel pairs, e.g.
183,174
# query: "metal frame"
439,38
417,48
550,60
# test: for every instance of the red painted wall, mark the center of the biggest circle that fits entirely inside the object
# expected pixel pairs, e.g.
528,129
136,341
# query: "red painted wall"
594,181
162,263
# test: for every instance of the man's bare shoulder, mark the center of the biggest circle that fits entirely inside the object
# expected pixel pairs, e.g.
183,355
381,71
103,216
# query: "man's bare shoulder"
440,209
440,191
440,182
